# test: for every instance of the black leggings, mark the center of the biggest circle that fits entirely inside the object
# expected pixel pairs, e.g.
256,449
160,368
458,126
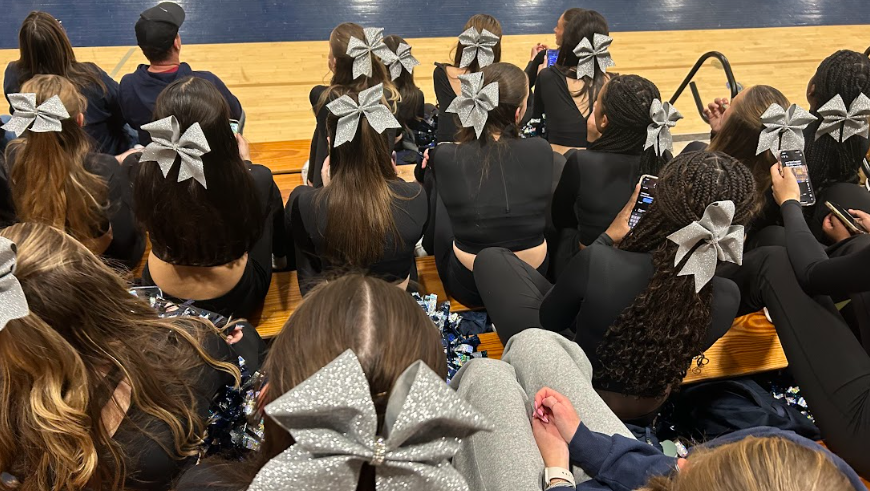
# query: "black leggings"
829,364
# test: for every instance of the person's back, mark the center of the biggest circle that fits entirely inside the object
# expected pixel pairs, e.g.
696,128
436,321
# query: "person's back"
157,36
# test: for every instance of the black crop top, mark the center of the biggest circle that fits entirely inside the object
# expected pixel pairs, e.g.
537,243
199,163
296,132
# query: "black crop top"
410,212
502,207
592,190
566,126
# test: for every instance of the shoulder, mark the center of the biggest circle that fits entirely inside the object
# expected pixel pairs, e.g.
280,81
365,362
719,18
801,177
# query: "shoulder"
536,144
260,173
406,189
549,74
316,93
302,196
12,69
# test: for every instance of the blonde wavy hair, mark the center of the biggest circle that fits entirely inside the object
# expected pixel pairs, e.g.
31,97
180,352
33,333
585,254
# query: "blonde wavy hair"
756,464
53,364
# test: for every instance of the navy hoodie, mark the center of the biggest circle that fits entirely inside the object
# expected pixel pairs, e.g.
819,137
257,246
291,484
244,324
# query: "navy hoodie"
617,463
139,91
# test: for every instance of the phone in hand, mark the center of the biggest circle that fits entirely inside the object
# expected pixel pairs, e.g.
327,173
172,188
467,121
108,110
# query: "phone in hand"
552,56
644,199
844,216
795,160
234,125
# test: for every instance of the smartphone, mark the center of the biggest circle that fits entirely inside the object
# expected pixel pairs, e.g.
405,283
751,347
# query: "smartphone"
844,216
794,159
644,199
552,56
234,125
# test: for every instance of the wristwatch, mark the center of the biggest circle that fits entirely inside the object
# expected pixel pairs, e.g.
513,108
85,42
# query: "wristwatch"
551,473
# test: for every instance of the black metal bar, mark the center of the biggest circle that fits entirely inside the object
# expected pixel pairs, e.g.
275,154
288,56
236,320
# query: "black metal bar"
687,82
867,52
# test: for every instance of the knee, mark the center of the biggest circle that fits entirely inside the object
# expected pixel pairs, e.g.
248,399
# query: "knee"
492,259
484,374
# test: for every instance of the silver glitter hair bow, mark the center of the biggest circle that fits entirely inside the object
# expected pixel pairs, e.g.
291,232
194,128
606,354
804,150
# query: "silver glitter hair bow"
842,123
349,112
783,128
475,102
13,303
720,241
46,117
361,51
167,142
590,53
478,45
658,134
404,60
333,420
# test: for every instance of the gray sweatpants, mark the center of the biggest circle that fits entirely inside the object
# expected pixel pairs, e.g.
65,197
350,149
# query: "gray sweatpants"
508,458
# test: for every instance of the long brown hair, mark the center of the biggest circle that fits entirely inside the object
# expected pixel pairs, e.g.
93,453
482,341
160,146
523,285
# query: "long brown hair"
649,347
579,25
55,367
756,464
47,170
411,96
358,200
739,134
513,88
45,50
479,22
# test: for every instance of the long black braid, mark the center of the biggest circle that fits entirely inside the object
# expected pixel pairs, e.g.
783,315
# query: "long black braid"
846,73
626,101
650,346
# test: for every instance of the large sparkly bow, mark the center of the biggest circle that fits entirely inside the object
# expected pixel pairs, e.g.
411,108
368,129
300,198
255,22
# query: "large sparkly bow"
475,102
333,420
404,60
361,51
843,124
13,303
783,129
721,241
43,118
167,142
658,134
477,45
590,53
349,112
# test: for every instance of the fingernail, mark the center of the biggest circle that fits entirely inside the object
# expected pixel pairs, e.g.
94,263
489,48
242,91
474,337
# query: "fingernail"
546,419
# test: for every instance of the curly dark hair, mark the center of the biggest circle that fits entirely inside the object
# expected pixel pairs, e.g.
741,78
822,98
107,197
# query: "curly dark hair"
649,348
626,100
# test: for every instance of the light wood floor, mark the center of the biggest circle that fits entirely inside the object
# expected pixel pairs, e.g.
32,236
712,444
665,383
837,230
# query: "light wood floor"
273,79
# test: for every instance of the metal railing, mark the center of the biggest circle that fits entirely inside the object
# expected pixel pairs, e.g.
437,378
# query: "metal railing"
729,75
867,52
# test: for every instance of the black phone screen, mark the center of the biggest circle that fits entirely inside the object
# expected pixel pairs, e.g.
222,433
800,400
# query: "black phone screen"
794,159
644,199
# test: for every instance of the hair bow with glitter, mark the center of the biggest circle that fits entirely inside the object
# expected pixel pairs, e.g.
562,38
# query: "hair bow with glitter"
361,51
843,124
590,53
475,102
720,241
783,128
404,60
349,113
479,45
167,142
40,119
658,134
13,303
332,419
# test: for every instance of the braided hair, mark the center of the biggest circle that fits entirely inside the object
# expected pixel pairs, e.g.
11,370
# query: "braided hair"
846,73
626,100
649,347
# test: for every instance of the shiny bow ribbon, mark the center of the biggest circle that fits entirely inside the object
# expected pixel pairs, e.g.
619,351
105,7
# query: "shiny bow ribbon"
13,303
658,134
46,117
843,124
361,51
478,45
475,102
333,421
349,112
590,53
167,142
405,60
783,128
720,242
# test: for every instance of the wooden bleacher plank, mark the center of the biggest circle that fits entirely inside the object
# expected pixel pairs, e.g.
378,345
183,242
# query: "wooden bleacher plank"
283,157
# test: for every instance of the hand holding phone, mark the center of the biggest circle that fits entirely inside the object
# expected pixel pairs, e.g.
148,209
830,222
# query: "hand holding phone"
644,200
784,184
795,161
846,218
552,56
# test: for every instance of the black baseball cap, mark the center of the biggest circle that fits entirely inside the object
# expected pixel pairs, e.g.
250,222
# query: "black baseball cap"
158,26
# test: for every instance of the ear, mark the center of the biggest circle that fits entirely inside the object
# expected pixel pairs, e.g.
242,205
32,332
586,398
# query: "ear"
177,43
80,119
602,123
